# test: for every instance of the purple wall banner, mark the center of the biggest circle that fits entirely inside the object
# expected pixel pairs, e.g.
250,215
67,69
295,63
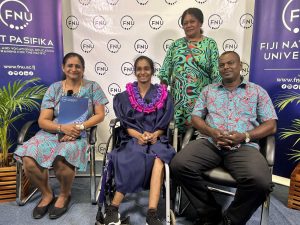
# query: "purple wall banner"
30,40
31,45
275,65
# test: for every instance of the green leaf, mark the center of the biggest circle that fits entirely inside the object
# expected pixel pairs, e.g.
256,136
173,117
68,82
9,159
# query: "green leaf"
16,99
281,102
284,99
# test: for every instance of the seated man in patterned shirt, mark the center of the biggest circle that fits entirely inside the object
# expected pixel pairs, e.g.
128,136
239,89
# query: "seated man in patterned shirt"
231,116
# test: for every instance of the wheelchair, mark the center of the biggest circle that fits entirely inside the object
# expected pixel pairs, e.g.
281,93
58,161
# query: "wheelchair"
107,185
27,131
221,177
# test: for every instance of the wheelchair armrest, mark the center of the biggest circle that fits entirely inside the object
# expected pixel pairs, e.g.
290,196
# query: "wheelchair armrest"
267,148
24,130
188,135
92,136
113,122
172,125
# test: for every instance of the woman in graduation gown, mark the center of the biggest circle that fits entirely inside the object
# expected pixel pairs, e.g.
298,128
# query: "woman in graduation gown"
145,111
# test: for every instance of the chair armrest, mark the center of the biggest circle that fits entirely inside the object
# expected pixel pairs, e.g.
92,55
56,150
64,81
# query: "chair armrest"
92,136
171,131
172,125
220,176
188,135
24,130
267,148
113,122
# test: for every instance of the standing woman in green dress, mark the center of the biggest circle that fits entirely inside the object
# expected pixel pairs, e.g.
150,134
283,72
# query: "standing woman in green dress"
190,64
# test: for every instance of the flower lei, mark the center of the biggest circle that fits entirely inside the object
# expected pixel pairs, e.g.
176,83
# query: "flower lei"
140,105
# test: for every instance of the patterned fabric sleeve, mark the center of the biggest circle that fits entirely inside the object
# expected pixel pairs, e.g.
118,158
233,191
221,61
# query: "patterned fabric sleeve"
214,62
49,98
200,108
265,107
166,70
99,97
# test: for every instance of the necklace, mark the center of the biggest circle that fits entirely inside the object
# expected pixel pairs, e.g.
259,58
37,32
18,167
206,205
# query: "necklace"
151,105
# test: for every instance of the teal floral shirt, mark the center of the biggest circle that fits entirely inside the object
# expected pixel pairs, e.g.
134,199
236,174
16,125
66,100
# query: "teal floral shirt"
239,110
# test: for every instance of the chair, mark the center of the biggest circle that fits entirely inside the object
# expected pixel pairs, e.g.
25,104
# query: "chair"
107,184
221,177
27,131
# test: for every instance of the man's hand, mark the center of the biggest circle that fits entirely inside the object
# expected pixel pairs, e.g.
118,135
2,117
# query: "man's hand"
220,137
236,138
230,140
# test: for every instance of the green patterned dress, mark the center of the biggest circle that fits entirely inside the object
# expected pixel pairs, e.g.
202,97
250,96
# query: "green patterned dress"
187,68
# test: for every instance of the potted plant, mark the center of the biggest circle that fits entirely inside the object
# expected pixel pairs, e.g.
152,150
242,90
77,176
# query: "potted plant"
294,130
16,99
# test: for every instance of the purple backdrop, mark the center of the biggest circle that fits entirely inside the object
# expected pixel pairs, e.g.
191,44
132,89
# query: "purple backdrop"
30,40
30,44
275,65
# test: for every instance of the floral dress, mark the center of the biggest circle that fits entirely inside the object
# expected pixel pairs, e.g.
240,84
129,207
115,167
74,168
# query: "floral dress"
187,68
44,147
132,163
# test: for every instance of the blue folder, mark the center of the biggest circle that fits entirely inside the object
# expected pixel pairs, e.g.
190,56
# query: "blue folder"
72,110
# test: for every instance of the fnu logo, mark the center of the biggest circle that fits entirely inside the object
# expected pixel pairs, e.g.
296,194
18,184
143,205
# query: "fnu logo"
157,67
15,14
101,68
114,89
87,45
127,68
141,46
167,44
291,16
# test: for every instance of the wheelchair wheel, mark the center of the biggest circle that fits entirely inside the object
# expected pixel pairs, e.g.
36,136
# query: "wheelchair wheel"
172,217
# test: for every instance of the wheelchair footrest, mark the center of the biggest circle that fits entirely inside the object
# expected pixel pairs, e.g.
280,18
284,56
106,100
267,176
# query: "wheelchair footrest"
124,221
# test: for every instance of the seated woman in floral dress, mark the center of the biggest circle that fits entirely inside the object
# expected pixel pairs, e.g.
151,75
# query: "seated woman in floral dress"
61,146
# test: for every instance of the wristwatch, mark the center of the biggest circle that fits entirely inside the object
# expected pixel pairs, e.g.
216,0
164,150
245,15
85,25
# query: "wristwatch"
247,139
80,126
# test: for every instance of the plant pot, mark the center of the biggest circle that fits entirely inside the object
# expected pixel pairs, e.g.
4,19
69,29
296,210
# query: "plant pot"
8,182
294,191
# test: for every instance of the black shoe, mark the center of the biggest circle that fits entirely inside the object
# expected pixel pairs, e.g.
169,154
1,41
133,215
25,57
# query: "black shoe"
226,220
112,216
55,212
39,212
152,219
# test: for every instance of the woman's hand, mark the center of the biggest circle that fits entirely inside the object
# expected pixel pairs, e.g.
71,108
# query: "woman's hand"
70,130
67,138
153,137
143,138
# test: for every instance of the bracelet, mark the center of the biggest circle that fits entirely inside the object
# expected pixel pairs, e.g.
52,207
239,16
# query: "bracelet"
59,129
